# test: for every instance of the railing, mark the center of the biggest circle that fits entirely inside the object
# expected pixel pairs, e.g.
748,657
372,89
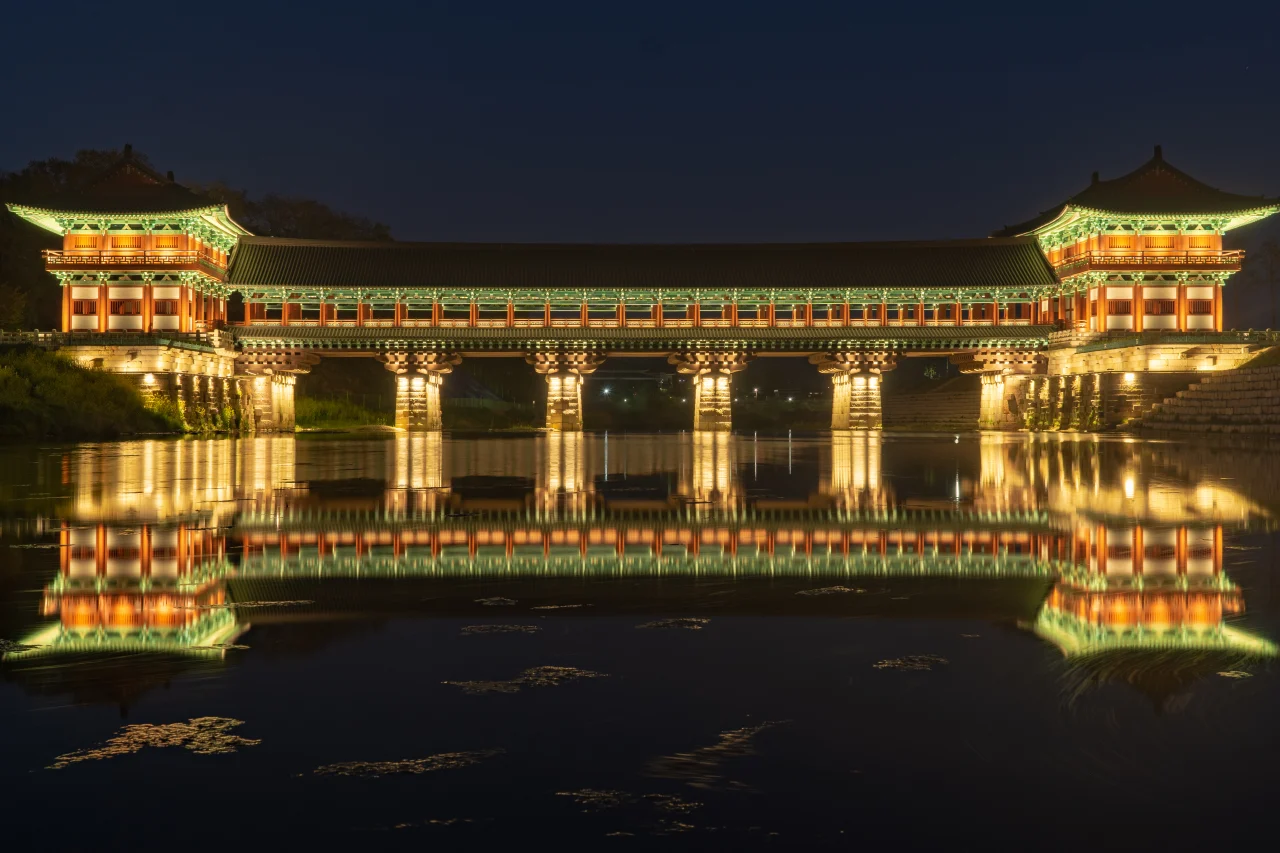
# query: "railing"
1120,340
58,258
197,340
1153,259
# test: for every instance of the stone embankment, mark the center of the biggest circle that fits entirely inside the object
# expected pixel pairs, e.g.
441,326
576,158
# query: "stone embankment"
953,406
1244,400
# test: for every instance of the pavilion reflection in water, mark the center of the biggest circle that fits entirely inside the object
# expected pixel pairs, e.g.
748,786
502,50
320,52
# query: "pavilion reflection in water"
161,540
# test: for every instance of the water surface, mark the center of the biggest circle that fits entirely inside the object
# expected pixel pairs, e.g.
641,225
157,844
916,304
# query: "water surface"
847,638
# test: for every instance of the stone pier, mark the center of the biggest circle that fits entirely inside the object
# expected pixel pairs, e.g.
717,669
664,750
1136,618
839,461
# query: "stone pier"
855,380
271,376
419,376
712,386
564,372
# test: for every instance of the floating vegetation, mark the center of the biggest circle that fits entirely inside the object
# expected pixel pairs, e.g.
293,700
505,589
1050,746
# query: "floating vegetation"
559,606
1235,673
496,601
239,605
10,646
831,590
700,768
687,623
499,629
672,803
918,663
596,800
415,766
538,676
201,735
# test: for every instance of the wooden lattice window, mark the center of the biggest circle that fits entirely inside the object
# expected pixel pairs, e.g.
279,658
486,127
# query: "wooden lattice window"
85,241
126,241
1120,242
1200,242
166,307
82,307
1200,306
1158,307
1159,241
126,307
166,241
1120,307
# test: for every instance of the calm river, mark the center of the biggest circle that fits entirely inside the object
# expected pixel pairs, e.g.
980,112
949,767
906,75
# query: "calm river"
848,640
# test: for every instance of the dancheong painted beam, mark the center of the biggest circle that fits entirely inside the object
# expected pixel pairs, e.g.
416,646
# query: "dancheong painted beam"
940,340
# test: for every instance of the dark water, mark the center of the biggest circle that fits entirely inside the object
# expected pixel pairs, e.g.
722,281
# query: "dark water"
674,641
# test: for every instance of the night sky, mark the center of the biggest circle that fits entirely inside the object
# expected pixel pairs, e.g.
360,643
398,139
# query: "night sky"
690,121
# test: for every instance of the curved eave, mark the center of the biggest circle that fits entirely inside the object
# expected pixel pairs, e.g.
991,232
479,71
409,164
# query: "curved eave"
1073,213
217,217
1084,640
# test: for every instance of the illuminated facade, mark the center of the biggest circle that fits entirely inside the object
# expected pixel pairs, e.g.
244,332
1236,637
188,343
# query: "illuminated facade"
1138,254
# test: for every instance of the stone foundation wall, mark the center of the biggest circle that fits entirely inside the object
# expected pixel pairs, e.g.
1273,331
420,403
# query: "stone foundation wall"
197,386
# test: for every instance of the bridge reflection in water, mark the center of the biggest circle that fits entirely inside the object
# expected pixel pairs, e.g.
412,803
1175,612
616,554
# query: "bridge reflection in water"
180,547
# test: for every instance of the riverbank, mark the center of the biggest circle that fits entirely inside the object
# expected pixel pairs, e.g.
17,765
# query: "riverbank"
47,396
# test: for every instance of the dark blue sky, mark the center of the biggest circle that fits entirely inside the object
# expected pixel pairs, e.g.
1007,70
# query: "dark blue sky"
655,121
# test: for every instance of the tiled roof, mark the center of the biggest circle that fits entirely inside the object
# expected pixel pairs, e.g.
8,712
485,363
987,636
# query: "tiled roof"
502,339
1155,187
950,265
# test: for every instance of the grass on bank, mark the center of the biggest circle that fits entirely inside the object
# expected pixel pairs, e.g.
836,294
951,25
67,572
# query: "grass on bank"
327,413
44,395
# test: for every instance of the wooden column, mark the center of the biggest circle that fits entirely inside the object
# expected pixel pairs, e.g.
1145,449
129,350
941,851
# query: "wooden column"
1217,307
511,314
920,314
847,318
883,319
584,317
657,314
1102,308
148,306
1138,310
184,300
66,308
1182,306
959,314
473,314
995,312
102,307
546,313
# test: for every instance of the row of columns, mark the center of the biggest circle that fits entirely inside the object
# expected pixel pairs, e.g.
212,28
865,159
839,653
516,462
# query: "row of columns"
855,377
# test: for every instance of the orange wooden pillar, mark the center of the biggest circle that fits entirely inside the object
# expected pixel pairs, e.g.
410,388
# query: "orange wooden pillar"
1138,310
1217,308
103,292
66,308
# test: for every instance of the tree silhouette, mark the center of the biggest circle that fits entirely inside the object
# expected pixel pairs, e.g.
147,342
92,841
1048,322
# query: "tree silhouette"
30,297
